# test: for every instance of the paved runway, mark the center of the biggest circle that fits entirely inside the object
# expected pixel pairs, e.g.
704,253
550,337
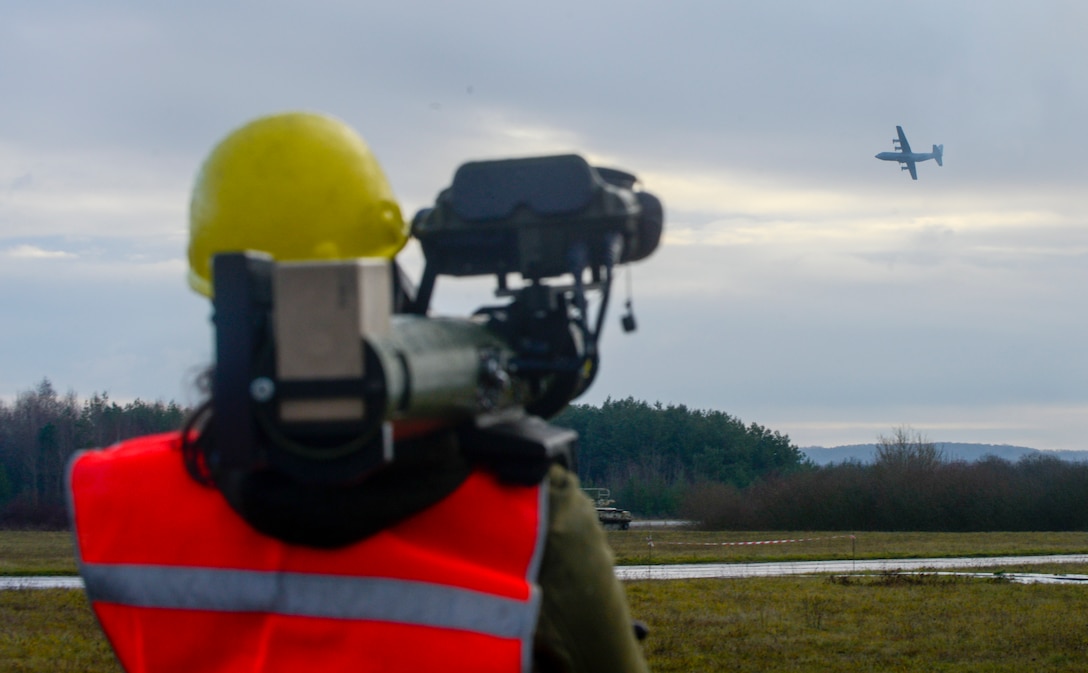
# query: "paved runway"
41,583
741,570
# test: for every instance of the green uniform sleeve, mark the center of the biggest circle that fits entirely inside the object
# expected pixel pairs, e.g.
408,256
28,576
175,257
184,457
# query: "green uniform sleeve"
585,624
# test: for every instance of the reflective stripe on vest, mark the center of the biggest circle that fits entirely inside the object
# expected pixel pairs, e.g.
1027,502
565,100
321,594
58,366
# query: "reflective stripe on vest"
179,582
305,595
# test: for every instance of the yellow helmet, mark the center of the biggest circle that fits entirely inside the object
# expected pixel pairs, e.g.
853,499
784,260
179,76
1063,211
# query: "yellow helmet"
299,186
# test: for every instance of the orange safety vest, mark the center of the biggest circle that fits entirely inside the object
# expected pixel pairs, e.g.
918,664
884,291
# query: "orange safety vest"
180,582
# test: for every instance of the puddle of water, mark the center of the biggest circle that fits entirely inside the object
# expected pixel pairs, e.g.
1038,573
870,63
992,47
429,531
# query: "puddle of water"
741,570
41,583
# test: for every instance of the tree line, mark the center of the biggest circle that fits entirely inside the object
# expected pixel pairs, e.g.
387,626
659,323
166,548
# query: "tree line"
911,486
650,455
657,460
41,430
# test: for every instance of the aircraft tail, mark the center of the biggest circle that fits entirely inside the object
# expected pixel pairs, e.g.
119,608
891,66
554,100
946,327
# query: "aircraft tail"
938,154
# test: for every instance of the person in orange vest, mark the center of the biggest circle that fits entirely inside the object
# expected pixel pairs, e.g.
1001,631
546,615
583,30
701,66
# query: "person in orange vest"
432,563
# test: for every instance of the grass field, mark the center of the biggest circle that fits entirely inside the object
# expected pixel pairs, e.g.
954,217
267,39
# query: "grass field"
36,553
799,624
682,546
54,630
51,553
877,623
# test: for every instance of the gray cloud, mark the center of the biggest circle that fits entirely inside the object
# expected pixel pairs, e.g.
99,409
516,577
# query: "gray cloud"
803,282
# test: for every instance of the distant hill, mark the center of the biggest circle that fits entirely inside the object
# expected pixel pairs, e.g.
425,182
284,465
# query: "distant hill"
970,453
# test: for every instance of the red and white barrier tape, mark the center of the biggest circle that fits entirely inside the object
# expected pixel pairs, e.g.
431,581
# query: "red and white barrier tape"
755,542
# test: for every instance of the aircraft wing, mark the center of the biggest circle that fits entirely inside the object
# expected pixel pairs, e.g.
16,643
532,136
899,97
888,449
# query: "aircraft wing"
912,169
903,144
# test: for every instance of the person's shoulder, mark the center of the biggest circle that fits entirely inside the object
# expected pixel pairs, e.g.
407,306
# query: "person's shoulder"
164,441
569,510
136,455
564,489
559,477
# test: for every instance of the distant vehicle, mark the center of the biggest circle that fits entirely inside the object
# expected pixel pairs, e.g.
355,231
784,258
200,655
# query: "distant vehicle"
611,518
904,156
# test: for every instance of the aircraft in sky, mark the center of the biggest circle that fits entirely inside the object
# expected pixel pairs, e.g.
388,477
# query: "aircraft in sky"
904,156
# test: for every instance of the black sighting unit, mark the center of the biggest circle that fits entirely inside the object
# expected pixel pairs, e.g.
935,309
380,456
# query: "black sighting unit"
317,361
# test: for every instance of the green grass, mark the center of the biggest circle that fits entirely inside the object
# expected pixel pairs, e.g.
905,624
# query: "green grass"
43,631
878,622
52,553
874,623
682,546
887,623
37,553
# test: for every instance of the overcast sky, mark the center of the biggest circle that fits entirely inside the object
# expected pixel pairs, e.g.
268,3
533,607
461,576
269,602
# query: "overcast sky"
802,285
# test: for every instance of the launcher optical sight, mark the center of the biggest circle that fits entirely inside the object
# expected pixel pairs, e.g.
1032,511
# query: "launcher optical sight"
318,362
